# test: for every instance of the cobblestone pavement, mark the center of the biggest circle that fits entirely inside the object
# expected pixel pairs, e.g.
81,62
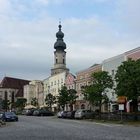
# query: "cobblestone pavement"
51,128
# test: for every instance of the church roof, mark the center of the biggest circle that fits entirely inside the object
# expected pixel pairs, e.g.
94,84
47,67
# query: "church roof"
9,82
60,44
14,83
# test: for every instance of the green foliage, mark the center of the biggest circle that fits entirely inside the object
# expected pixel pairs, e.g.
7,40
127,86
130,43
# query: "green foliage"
96,92
34,102
20,103
67,97
128,80
72,97
50,100
5,104
63,97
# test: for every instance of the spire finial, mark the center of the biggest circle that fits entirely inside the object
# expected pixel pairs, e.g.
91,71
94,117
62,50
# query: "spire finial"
59,24
59,21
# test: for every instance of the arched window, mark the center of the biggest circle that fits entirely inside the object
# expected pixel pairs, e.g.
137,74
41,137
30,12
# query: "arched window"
5,95
13,97
82,106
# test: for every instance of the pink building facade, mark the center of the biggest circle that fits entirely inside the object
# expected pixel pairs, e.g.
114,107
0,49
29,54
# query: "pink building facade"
83,78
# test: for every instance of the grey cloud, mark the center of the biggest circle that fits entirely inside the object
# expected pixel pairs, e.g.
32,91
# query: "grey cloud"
27,46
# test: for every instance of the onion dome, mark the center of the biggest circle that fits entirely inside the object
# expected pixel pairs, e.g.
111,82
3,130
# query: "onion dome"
60,44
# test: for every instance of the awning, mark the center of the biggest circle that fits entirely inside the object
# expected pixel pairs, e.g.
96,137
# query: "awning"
29,107
121,99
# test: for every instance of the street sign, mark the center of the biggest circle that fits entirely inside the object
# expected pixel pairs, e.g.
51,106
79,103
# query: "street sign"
121,106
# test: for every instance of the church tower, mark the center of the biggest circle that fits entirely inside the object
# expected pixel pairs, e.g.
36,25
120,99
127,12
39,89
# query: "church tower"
59,54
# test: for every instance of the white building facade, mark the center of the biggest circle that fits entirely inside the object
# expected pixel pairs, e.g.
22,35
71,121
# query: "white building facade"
53,84
111,65
8,94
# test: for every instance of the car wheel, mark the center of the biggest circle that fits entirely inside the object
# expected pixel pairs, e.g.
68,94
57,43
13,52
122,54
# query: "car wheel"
84,117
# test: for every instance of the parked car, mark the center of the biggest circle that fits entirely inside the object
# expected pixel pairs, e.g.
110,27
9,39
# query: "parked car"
29,112
1,119
9,116
70,114
1,114
42,112
59,114
24,112
84,114
64,114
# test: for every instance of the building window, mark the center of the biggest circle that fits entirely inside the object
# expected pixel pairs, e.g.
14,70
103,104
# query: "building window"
82,106
87,83
113,94
13,97
5,96
51,83
113,72
86,75
63,61
56,60
77,87
81,77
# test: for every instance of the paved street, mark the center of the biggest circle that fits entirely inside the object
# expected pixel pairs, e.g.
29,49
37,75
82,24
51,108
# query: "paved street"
51,128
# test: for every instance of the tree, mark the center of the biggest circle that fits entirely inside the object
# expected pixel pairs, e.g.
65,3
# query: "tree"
34,102
67,97
5,104
72,97
128,81
20,103
50,100
96,92
63,97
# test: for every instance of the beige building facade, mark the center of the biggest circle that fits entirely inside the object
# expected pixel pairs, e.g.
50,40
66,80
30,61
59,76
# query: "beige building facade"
34,90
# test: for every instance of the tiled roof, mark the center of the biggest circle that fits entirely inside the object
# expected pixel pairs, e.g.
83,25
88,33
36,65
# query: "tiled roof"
9,82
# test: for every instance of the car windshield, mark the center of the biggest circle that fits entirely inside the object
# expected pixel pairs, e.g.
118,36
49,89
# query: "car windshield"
9,113
79,110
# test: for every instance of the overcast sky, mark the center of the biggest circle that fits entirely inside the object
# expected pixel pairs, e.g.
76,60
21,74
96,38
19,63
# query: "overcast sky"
94,30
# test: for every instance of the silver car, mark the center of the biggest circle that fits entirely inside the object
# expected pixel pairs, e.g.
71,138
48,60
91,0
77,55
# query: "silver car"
59,114
84,114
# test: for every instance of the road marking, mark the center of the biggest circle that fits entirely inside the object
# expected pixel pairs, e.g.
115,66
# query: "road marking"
109,125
